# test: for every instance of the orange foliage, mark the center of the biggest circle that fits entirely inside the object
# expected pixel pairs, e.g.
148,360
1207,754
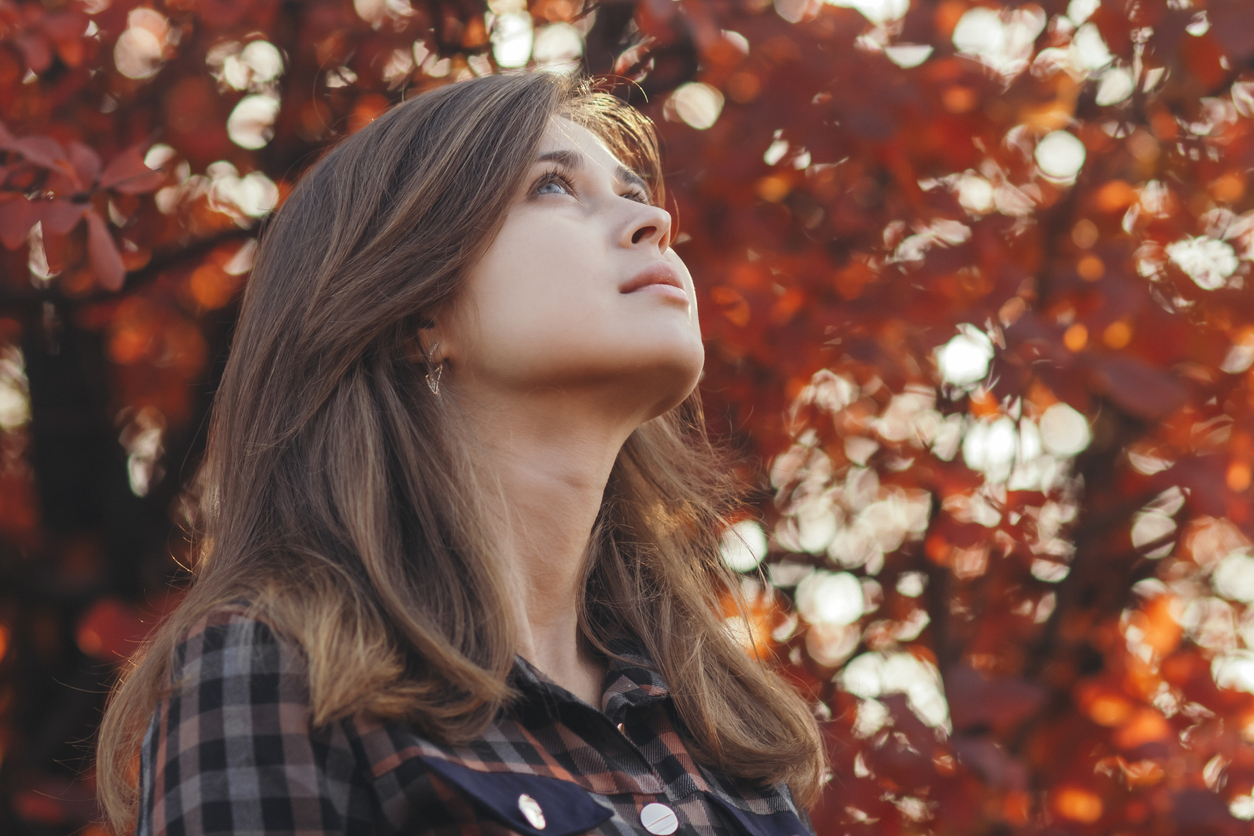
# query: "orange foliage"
975,284
1077,804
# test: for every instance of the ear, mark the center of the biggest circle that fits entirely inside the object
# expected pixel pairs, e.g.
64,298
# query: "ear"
430,343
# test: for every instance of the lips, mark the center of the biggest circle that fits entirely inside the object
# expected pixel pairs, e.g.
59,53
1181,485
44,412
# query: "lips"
662,274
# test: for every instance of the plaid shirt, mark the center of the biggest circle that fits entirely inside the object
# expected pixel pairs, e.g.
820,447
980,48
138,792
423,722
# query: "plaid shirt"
232,750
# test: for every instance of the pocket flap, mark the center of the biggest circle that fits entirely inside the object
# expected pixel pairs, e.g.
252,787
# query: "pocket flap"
566,808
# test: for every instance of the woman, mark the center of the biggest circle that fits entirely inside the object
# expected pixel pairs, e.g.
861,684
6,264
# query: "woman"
459,569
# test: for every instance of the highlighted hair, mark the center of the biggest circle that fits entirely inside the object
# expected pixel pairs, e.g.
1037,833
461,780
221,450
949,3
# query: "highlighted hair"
340,498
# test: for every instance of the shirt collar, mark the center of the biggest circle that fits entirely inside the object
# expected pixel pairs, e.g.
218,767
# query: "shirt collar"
631,680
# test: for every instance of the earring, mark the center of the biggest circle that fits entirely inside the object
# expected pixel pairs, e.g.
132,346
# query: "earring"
433,376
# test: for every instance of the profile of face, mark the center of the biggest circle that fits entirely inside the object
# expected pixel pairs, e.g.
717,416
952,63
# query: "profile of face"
579,293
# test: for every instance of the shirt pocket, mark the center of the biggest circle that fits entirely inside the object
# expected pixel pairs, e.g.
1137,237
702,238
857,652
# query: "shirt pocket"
532,804
784,823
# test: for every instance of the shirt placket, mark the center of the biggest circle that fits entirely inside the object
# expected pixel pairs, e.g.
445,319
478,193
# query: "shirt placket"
617,730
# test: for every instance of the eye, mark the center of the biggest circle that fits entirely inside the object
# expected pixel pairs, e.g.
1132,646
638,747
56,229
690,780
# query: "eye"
553,178
637,195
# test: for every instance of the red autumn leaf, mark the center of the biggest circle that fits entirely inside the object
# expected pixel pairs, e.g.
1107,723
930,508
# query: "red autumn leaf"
997,767
57,250
1198,808
36,50
72,51
221,13
64,26
1233,27
17,216
1203,478
1000,702
104,253
1138,387
59,216
40,150
68,32
86,163
129,174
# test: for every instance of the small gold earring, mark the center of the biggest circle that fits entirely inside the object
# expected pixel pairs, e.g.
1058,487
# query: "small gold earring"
433,375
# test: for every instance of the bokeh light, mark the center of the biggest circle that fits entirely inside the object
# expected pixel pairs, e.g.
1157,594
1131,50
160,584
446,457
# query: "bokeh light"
1060,155
697,104
140,50
744,546
965,358
251,123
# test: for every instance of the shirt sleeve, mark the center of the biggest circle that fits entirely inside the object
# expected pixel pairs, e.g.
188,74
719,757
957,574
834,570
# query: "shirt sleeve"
231,749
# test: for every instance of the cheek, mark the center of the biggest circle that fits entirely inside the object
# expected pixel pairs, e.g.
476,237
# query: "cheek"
535,297
530,268
526,311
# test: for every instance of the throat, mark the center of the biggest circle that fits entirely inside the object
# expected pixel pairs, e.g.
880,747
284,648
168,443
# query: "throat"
582,672
588,683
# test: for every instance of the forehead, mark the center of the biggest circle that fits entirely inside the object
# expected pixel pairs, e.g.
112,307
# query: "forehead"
565,135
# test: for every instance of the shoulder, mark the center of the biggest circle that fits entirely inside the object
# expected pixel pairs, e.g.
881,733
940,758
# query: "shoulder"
234,653
231,747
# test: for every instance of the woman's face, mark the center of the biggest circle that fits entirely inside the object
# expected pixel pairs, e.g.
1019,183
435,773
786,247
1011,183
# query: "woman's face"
579,291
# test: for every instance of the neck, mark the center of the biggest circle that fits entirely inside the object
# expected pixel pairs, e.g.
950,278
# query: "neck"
551,455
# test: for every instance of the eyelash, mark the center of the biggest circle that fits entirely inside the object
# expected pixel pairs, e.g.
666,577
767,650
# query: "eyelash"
555,175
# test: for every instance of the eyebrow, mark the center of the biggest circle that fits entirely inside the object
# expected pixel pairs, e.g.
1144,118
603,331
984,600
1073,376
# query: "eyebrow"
574,161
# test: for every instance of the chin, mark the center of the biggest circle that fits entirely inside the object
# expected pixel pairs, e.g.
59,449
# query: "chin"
671,384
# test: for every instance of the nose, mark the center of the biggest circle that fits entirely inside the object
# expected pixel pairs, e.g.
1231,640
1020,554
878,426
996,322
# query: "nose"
649,225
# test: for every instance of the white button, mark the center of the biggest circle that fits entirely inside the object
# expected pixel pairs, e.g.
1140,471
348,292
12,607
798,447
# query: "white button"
659,819
535,816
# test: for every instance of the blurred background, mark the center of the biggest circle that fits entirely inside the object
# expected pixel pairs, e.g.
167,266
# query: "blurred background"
973,281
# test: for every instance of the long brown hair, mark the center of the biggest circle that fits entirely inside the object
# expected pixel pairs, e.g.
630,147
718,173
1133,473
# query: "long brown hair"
340,498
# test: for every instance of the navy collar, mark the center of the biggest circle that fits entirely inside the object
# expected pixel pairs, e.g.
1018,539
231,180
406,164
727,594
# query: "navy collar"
631,680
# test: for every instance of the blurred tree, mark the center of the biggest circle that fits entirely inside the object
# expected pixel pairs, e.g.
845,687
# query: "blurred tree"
973,281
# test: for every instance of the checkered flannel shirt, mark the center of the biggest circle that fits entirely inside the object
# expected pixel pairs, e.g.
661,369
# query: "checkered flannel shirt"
232,749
